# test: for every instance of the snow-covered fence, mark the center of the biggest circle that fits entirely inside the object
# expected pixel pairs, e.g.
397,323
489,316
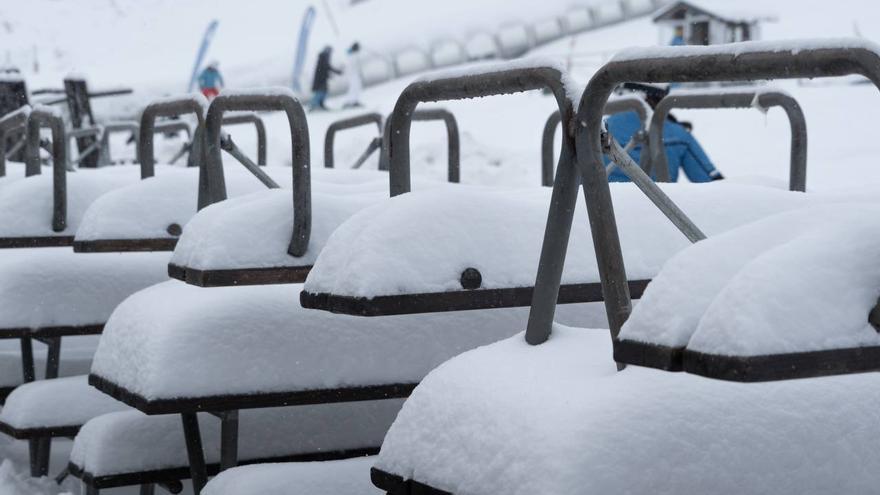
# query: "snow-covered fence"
40,117
762,99
341,125
741,62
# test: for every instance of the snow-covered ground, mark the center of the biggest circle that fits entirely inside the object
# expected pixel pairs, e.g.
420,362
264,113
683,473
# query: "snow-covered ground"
149,45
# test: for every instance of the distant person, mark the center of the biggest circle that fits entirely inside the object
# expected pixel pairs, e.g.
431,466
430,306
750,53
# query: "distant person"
353,71
678,37
210,80
323,71
682,149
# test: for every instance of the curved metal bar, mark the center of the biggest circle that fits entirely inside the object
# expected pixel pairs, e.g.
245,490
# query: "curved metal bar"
349,123
11,122
618,105
113,128
45,117
734,99
213,188
173,126
93,131
742,62
251,118
192,103
453,141
495,82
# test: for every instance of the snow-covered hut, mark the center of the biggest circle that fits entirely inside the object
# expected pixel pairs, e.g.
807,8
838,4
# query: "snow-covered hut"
710,22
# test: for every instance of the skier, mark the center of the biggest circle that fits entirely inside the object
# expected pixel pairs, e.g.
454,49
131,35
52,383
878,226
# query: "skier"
210,80
353,70
323,71
682,149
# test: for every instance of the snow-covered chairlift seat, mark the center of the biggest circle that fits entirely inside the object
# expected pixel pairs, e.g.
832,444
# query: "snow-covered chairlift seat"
44,210
131,448
479,268
252,240
636,430
231,348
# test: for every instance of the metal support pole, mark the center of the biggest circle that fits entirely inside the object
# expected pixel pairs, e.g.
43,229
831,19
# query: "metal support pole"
228,440
251,118
230,147
53,357
148,489
194,451
374,145
28,370
38,118
11,122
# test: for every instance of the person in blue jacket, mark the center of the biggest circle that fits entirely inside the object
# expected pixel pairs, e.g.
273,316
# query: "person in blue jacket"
678,37
682,149
210,80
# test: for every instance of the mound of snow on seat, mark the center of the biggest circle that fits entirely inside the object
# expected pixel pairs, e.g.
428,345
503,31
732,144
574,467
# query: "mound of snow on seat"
795,282
422,241
26,205
175,340
345,477
557,418
130,441
49,287
59,402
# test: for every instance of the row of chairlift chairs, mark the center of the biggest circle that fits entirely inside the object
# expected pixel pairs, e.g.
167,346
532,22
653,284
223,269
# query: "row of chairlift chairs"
312,379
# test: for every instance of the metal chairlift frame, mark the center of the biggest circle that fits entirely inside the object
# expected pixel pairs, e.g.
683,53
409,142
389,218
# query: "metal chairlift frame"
743,98
453,141
349,123
12,122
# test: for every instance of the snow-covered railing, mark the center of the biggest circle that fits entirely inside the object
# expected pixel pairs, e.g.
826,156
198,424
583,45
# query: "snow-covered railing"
480,82
735,62
453,141
618,105
761,99
13,121
343,124
167,107
213,187
41,116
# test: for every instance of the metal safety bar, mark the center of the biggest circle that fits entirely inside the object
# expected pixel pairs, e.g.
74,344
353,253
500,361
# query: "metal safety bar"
192,103
341,125
750,61
259,125
497,82
44,117
93,131
11,122
734,99
213,188
453,141
113,128
618,105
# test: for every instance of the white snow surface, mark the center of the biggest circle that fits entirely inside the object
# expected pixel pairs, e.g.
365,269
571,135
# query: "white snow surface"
47,287
26,205
131,441
736,49
345,477
557,418
69,401
176,340
794,282
437,234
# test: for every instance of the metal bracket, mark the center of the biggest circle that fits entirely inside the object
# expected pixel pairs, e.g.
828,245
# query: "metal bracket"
735,99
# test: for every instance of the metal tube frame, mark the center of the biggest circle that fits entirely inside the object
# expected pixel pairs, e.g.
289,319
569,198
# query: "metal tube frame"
113,128
349,123
93,131
735,99
195,104
750,62
213,188
453,141
43,117
11,122
619,105
259,125
497,82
